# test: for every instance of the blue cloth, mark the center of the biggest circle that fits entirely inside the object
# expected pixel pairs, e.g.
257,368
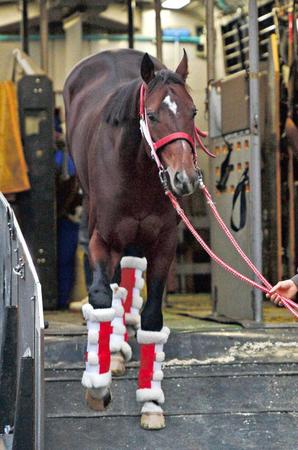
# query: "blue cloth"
59,159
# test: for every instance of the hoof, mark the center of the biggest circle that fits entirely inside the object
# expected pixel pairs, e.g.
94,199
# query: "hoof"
153,421
96,401
77,306
117,364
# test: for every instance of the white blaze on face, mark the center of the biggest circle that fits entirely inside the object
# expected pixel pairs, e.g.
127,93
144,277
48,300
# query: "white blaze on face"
170,103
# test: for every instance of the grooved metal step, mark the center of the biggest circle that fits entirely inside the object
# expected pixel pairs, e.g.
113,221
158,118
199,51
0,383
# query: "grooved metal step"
225,390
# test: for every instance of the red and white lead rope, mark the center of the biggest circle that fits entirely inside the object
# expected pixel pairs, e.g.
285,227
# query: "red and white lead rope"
289,304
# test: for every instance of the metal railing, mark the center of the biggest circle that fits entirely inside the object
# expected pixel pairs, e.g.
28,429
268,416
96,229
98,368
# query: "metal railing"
20,288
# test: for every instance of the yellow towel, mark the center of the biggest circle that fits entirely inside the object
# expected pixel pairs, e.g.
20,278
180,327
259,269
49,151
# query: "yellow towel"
13,169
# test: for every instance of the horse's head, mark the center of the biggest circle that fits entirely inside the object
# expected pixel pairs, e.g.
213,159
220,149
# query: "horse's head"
170,114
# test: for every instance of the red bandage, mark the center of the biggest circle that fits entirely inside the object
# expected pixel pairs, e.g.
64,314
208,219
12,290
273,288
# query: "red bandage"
104,354
147,358
128,279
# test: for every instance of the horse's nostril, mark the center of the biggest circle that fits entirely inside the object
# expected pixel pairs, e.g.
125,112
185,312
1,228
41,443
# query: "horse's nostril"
179,178
183,184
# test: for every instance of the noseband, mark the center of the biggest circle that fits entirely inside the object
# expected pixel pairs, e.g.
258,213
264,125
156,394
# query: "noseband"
154,146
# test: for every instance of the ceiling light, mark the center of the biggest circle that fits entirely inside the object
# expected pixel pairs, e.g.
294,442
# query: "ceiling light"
175,4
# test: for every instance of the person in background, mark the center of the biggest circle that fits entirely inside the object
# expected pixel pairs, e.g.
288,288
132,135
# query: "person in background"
69,202
286,288
76,306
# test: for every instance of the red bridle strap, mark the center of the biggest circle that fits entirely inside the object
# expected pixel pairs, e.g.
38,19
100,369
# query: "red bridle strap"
173,137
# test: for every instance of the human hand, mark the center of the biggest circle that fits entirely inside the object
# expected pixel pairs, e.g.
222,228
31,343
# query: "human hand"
286,288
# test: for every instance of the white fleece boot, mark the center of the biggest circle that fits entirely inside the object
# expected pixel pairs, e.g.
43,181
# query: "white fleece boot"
150,376
97,375
120,349
132,280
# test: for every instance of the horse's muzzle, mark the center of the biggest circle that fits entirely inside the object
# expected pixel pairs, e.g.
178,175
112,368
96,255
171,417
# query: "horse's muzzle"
182,184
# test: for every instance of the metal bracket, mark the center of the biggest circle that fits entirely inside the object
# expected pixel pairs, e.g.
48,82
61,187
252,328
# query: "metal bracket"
10,224
19,269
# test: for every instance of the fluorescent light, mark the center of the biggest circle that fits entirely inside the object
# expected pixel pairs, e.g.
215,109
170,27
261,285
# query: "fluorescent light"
175,4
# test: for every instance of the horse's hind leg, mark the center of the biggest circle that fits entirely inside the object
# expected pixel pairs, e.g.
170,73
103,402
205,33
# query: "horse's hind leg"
120,349
99,315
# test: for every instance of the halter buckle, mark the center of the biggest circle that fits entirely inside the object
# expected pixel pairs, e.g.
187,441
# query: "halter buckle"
201,183
163,178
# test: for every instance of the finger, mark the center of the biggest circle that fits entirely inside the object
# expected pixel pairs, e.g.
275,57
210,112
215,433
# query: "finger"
277,300
274,289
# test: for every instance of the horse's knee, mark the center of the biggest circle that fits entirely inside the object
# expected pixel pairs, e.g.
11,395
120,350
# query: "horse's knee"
151,321
100,293
151,317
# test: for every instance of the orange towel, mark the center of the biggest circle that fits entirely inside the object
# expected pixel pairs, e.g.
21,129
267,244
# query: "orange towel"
13,169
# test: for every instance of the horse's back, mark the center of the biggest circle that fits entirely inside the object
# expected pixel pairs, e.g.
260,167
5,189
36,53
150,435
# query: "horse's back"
101,73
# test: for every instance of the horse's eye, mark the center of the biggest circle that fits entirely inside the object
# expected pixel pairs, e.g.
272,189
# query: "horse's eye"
152,116
194,112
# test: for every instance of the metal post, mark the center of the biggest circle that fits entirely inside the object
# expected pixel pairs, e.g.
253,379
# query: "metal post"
210,41
255,162
158,31
23,434
24,26
8,368
44,35
130,10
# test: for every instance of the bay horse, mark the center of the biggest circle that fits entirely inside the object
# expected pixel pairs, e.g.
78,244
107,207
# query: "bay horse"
131,221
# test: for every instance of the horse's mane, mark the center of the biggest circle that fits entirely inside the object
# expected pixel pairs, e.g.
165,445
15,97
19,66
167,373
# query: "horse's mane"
123,104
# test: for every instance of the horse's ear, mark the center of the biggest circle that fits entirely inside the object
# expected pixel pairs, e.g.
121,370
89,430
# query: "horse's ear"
147,69
182,69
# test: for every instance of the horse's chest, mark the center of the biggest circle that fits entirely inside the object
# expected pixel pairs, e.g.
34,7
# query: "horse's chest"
131,230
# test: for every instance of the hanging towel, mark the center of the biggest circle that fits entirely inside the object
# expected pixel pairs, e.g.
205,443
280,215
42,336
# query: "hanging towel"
13,169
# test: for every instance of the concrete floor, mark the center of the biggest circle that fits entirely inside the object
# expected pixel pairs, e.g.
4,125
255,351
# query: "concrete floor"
183,312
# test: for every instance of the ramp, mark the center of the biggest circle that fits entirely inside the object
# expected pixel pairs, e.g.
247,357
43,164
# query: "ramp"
226,389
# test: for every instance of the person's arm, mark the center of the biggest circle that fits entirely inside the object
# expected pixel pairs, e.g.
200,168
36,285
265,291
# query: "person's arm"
286,288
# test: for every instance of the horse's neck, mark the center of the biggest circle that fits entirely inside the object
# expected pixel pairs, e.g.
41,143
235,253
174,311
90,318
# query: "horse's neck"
135,158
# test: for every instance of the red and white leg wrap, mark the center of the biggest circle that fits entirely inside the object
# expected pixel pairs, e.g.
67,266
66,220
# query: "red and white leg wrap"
97,373
119,335
151,374
132,280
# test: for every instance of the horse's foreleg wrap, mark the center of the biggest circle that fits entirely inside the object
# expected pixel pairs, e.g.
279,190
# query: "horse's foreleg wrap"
119,336
151,358
97,373
132,269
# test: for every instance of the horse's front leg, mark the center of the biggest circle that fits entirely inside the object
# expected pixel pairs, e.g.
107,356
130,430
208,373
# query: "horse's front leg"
153,335
99,315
